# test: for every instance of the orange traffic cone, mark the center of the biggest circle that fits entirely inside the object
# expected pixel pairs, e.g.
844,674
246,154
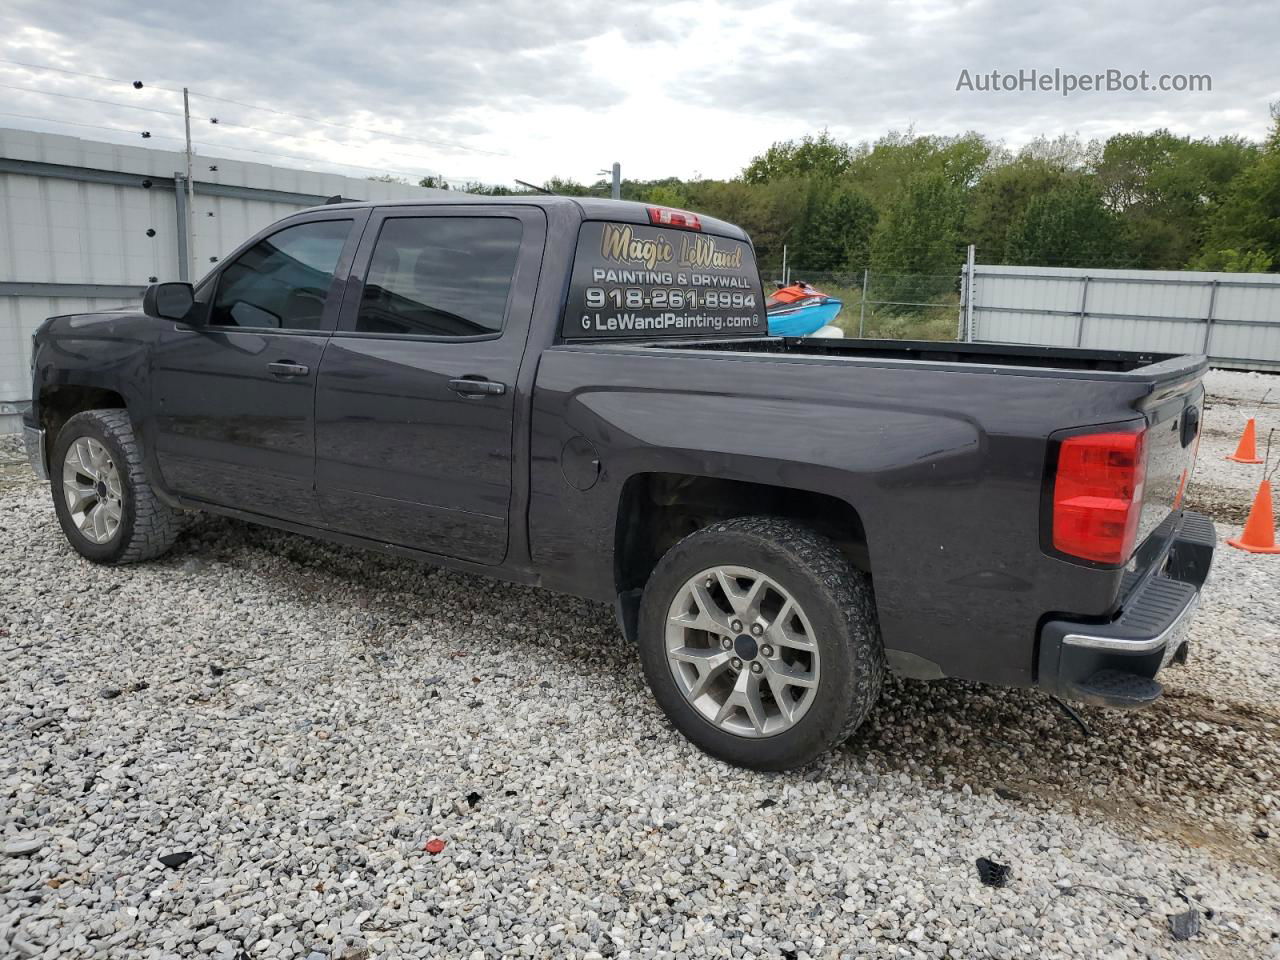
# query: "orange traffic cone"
1259,534
1247,450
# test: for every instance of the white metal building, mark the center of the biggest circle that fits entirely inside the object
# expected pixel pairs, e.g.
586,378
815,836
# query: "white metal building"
1234,318
87,225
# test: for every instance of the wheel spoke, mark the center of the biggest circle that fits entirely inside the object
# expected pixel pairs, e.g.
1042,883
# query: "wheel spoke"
100,459
790,676
707,677
710,609
751,701
101,521
74,467
88,523
79,495
701,657
88,462
710,662
780,632
780,695
744,602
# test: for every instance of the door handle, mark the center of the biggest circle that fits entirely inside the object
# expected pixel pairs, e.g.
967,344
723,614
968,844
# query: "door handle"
477,387
287,368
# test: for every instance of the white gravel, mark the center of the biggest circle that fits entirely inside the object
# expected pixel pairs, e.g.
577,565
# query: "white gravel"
303,718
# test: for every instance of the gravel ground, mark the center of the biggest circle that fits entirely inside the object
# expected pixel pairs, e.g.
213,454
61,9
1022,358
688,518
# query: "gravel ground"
302,719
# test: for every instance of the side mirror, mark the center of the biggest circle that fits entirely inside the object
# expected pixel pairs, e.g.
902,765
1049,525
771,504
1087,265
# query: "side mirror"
168,301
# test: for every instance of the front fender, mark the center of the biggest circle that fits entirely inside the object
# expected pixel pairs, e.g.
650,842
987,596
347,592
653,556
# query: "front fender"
108,352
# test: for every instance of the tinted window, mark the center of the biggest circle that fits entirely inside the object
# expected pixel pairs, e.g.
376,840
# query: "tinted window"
637,280
283,280
440,276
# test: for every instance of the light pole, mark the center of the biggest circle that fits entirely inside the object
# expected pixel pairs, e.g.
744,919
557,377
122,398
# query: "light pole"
616,171
190,198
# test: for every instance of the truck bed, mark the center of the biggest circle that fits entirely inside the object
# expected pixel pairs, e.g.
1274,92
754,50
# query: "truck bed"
1001,354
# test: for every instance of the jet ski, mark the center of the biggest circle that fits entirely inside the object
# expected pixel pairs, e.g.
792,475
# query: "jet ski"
799,310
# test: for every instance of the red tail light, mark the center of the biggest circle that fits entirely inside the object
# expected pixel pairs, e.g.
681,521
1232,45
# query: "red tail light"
1097,496
667,217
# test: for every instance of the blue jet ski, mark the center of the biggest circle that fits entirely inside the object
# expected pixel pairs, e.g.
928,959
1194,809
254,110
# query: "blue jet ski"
799,310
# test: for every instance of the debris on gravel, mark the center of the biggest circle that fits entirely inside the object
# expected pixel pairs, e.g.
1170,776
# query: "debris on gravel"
1185,925
367,708
992,874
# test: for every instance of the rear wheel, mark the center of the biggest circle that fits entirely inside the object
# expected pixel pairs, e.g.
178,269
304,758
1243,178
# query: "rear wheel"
760,642
106,507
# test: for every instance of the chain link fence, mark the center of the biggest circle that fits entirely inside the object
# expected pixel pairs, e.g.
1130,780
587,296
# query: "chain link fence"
906,306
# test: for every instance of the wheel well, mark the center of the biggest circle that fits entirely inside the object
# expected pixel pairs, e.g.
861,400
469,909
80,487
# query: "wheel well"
60,404
658,509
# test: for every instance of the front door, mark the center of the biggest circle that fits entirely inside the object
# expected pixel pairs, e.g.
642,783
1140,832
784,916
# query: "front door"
417,392
234,394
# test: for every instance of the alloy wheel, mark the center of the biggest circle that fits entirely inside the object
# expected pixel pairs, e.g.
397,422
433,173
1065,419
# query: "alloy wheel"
91,485
742,651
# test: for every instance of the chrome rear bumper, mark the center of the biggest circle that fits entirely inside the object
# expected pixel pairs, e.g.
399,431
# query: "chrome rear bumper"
34,439
1115,664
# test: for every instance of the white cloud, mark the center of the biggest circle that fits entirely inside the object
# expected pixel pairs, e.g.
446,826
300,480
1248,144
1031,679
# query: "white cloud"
666,88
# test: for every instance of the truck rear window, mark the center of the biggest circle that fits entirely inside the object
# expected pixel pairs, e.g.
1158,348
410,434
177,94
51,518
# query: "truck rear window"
635,280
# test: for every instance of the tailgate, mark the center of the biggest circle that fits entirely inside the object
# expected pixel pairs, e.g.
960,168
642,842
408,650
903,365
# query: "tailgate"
1173,436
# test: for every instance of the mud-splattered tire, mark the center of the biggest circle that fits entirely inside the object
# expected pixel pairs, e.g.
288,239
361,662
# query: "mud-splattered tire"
806,675
145,527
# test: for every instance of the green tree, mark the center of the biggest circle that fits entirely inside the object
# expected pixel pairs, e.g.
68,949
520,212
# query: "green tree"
1001,198
1165,188
773,213
1248,218
567,187
665,195
1234,261
879,170
916,248
1066,152
835,234
810,156
1069,226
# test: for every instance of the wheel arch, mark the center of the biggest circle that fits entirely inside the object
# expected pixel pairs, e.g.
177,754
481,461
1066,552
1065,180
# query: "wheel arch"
58,403
656,509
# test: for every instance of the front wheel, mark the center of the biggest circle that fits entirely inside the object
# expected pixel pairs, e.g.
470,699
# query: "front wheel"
106,507
760,642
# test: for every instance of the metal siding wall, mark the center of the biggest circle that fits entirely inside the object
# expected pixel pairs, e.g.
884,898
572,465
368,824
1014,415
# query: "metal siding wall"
56,230
1161,311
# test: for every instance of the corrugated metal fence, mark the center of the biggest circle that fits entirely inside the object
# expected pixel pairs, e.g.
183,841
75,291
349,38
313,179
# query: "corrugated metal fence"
1234,318
87,225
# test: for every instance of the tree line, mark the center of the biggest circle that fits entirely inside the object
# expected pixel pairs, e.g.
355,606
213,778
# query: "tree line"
910,204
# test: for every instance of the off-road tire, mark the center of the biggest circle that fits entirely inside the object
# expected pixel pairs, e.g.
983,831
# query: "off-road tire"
148,527
839,603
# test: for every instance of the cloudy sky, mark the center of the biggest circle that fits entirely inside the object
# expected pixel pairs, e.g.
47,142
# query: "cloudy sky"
505,89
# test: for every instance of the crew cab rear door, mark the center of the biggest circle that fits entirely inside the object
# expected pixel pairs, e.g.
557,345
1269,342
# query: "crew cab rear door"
417,391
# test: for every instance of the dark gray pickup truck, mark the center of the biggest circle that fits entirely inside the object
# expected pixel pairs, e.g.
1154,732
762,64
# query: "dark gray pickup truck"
582,395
